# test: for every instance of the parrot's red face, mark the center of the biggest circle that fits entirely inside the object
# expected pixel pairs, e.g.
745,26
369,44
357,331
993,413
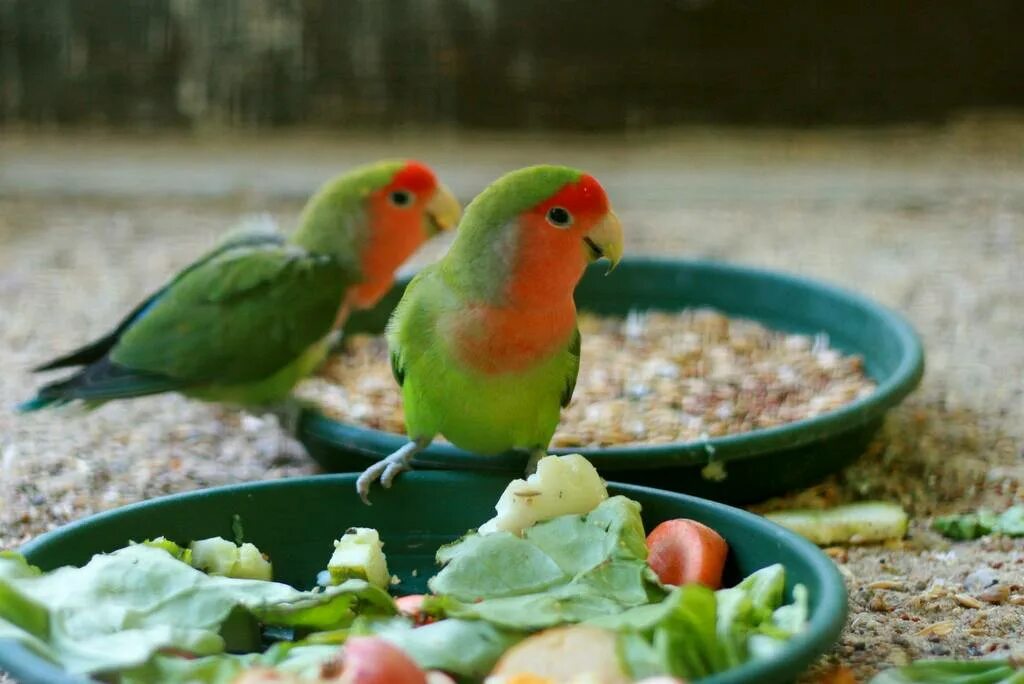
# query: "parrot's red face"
559,237
403,214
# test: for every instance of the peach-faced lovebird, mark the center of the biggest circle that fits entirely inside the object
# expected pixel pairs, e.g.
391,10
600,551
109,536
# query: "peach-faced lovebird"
248,320
484,342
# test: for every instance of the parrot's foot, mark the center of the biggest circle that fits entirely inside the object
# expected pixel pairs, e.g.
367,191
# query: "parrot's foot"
388,468
535,456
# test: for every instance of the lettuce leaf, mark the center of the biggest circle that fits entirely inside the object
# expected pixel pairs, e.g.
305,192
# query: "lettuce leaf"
984,522
569,569
121,608
695,632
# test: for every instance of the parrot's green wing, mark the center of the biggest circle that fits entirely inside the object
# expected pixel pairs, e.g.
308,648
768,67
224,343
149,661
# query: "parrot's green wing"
237,318
249,234
403,318
574,367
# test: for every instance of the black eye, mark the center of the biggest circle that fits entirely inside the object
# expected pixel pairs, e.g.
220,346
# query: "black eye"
559,217
401,198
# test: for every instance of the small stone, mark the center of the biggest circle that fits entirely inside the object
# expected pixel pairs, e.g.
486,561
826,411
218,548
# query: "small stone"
981,579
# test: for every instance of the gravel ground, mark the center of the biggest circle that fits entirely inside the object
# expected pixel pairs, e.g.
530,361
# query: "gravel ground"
930,222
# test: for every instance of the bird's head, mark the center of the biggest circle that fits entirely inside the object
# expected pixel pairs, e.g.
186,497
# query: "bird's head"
373,218
539,227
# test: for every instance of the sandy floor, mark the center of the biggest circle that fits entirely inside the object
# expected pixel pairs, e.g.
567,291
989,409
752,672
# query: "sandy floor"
929,222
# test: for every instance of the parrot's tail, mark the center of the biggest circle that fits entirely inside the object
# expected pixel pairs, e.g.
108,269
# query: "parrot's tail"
36,404
98,383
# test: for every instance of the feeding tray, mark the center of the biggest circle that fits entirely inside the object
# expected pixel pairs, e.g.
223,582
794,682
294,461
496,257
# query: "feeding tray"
295,521
757,464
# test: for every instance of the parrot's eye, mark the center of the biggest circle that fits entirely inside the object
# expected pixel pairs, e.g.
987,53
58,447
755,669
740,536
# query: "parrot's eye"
401,198
559,217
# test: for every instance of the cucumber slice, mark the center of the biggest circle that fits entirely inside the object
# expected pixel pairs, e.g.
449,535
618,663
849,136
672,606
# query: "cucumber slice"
858,523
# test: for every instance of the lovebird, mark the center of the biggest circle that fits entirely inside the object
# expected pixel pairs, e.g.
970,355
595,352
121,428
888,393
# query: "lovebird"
248,320
484,342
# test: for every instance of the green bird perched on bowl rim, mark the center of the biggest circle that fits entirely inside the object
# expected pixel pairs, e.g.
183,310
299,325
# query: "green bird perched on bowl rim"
484,342
247,321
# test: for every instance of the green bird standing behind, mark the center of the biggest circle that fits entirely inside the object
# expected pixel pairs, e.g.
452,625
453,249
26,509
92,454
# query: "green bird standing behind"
247,321
484,342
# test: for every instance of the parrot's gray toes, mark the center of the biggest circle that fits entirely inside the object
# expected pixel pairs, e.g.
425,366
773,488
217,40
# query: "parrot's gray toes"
388,468
391,472
367,478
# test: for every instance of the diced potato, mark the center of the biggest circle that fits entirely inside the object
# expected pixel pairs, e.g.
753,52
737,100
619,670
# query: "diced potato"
359,554
561,485
576,653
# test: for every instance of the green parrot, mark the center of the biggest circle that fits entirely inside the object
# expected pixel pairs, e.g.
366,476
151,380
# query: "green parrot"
248,320
484,342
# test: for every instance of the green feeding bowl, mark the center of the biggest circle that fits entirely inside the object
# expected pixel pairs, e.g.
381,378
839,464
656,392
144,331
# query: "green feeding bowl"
295,521
757,464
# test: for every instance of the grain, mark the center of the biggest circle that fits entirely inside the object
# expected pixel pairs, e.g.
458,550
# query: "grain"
651,378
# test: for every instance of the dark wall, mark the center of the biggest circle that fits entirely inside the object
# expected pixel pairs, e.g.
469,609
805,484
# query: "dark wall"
587,64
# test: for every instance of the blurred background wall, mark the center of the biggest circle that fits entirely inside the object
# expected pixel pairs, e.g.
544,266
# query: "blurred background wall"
614,65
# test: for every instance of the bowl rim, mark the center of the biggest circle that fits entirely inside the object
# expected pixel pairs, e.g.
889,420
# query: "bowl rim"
825,624
370,443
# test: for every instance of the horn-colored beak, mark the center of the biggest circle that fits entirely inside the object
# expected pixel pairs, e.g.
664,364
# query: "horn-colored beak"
605,240
443,209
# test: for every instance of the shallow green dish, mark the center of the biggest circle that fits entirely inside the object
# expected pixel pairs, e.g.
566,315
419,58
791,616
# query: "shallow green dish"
295,520
759,464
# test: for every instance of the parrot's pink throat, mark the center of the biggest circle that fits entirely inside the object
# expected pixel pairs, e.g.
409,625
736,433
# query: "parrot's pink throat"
395,233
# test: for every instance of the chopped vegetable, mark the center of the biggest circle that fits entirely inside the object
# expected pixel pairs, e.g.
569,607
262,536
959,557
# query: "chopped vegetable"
561,653
121,608
372,660
217,556
684,551
561,485
565,570
412,607
184,555
953,672
572,598
974,525
746,621
359,554
467,648
858,523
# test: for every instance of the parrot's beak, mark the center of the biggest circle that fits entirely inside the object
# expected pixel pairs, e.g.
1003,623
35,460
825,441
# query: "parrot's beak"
605,240
443,210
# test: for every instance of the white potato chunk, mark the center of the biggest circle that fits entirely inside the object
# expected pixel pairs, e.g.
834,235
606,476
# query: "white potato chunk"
561,485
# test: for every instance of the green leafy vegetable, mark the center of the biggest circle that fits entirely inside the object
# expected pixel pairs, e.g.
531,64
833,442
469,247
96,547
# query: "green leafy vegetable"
121,608
569,569
696,632
953,672
983,522
300,659
468,648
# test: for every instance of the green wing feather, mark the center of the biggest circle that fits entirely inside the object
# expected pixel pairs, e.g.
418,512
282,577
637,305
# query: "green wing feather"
406,317
573,370
248,234
237,317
